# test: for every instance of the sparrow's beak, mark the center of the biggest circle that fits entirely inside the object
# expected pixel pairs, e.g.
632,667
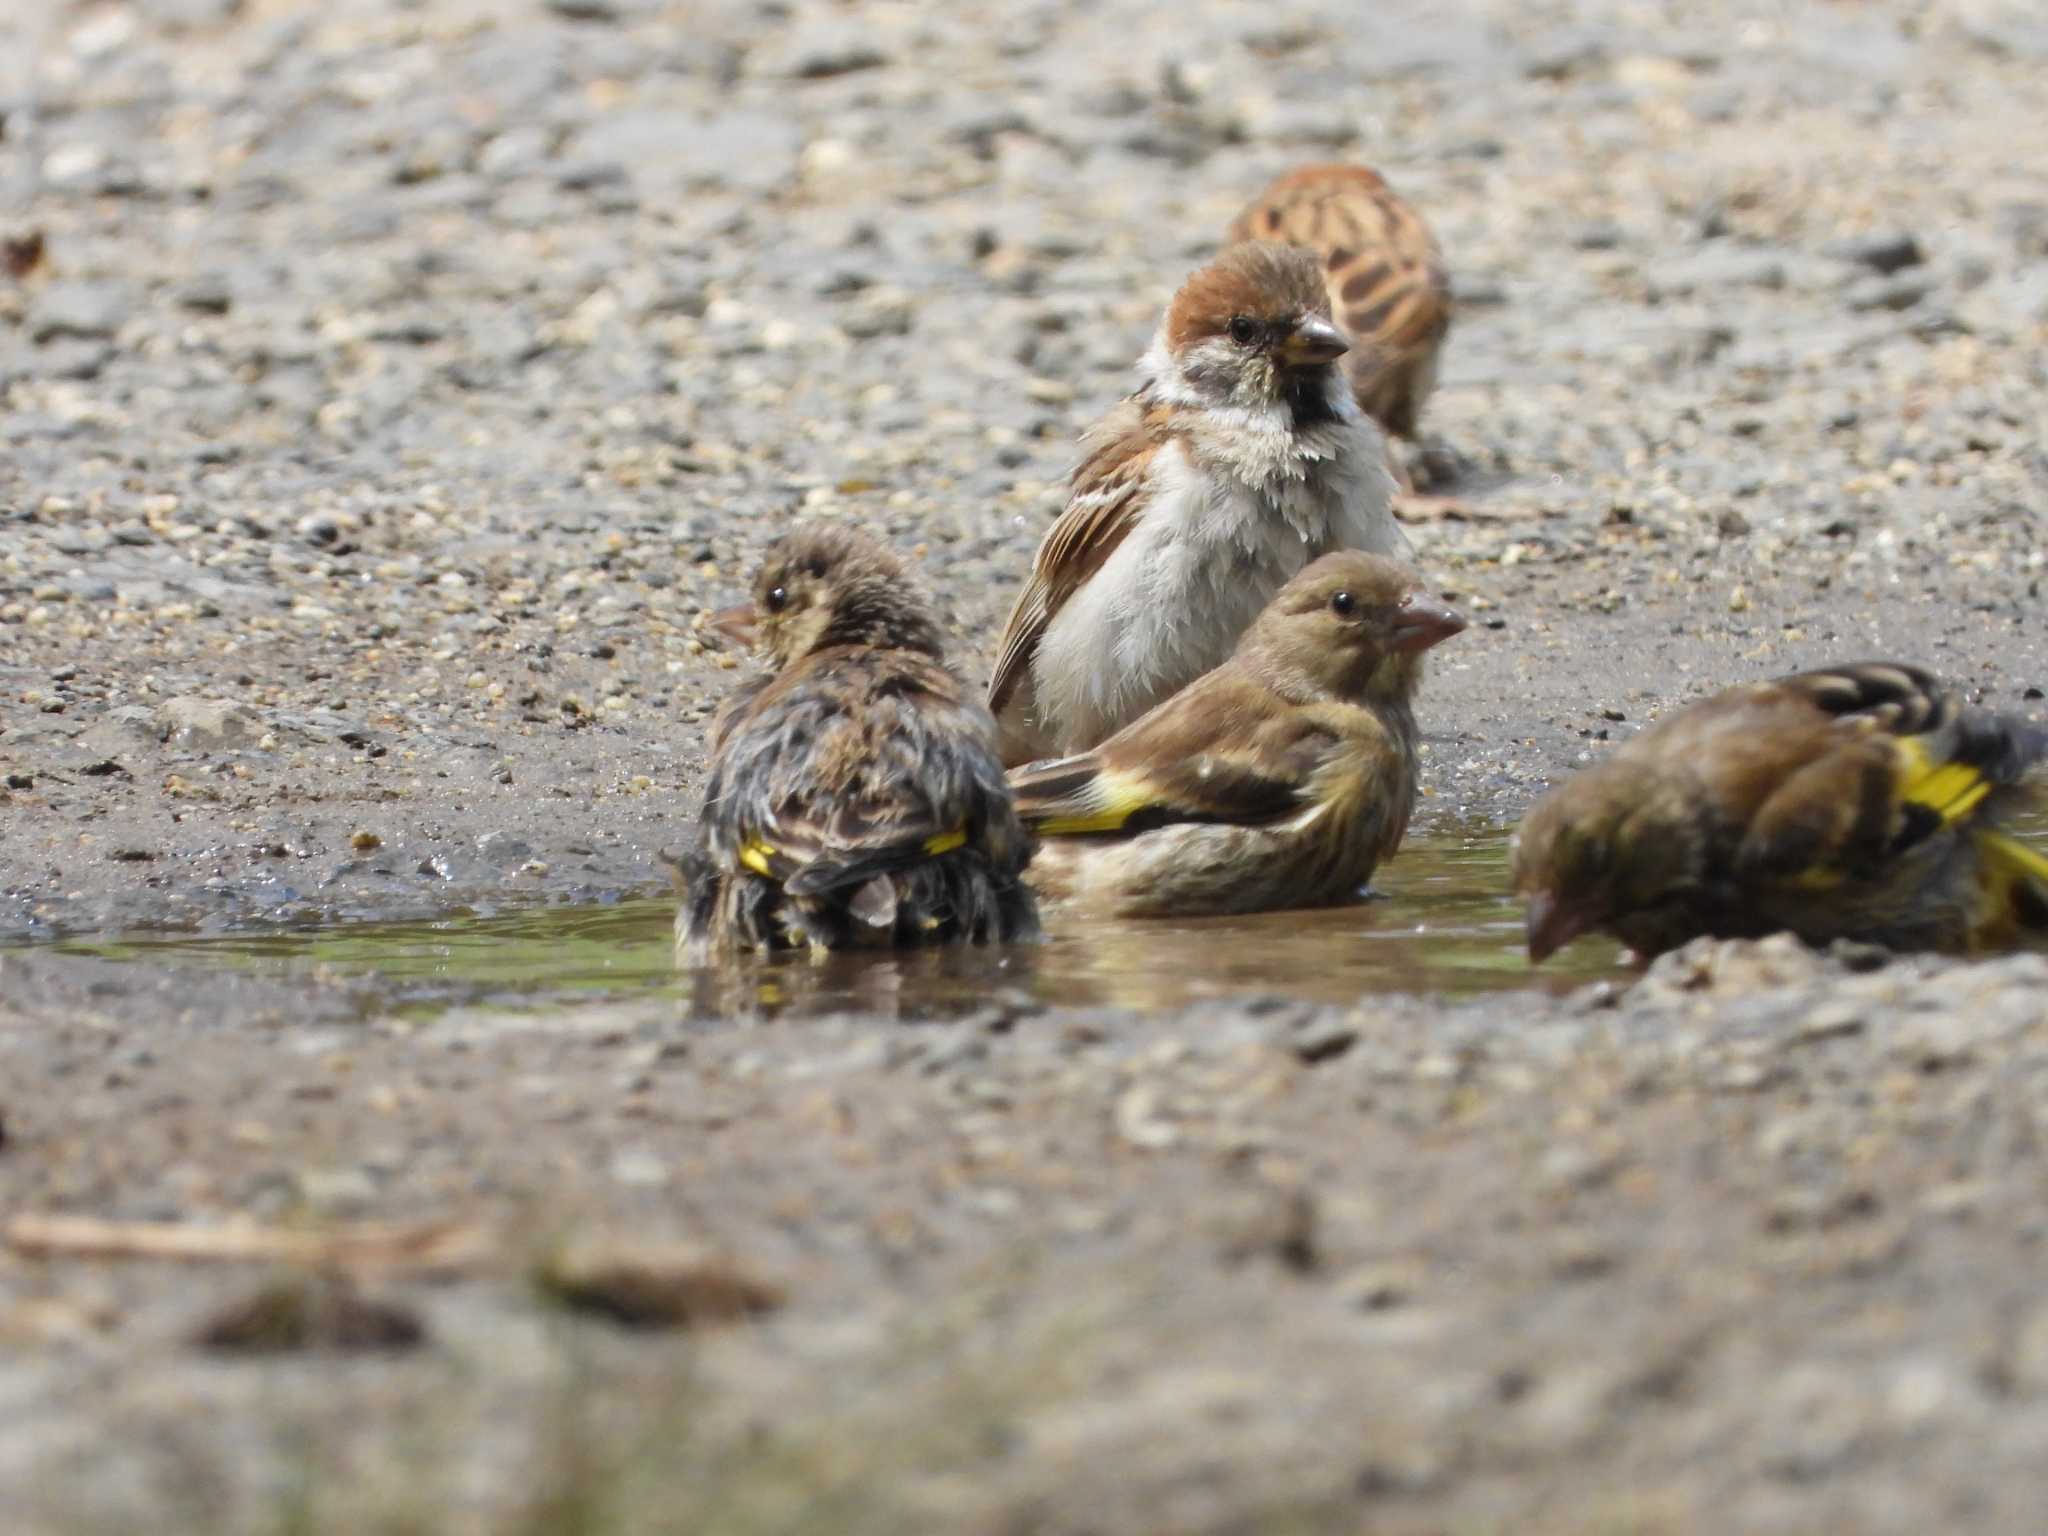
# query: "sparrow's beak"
1422,621
1312,343
1553,924
739,624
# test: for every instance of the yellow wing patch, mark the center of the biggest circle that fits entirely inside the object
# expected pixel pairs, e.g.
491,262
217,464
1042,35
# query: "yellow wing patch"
1110,801
946,842
759,856
1950,790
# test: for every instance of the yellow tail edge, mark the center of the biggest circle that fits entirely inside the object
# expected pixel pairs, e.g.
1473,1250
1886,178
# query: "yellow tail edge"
2015,892
2013,858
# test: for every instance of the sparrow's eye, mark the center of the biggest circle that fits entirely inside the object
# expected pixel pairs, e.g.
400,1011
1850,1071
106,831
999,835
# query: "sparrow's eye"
778,599
1244,330
1343,605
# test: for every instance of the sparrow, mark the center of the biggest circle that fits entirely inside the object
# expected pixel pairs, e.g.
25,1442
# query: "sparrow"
1388,287
1280,779
1241,457
854,795
1862,802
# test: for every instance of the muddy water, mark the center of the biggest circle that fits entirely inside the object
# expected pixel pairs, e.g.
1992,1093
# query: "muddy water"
1442,924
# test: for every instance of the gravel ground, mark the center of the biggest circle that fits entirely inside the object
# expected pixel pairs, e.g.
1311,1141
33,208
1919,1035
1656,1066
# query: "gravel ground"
401,380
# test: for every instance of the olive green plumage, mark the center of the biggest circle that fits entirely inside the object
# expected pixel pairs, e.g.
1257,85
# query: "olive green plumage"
1280,779
854,796
1861,802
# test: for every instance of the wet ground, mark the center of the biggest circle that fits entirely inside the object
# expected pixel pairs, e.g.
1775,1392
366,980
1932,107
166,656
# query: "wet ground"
396,385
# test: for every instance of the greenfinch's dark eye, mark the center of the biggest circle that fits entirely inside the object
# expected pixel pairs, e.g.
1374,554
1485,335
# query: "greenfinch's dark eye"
1244,330
1343,605
778,599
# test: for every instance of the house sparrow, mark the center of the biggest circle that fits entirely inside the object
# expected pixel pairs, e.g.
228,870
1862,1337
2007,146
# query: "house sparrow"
1241,458
1386,278
854,794
1280,779
1861,802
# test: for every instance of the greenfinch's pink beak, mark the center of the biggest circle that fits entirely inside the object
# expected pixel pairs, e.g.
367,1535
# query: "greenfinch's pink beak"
1553,924
1313,342
739,624
1422,621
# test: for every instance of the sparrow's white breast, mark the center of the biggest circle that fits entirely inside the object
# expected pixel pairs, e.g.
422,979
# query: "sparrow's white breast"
1214,541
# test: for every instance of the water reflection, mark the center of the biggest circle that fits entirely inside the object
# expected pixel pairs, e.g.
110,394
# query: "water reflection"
1442,924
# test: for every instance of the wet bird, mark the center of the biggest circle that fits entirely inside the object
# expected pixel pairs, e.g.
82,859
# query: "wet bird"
1283,778
1862,802
1389,290
854,796
1241,457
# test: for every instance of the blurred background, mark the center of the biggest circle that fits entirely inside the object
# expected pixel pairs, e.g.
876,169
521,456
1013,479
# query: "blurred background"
661,267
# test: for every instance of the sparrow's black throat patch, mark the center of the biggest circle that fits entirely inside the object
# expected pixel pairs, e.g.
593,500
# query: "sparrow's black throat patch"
1307,393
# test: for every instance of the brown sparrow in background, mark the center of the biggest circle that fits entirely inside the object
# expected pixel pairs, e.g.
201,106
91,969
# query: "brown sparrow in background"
1281,779
1241,458
1387,282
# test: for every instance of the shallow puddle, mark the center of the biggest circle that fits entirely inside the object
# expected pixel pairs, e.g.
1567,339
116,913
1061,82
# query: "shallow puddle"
1444,924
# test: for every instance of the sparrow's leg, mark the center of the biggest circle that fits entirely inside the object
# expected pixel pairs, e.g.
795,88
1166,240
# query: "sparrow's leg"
1412,505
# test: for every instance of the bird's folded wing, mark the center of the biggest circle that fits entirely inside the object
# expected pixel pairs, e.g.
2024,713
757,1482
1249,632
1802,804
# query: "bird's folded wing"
1899,699
1103,501
1903,762
1076,796
1396,311
1393,293
1184,763
872,763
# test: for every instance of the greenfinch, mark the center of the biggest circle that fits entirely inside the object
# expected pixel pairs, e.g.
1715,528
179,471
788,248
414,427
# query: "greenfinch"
1861,802
1282,778
854,796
